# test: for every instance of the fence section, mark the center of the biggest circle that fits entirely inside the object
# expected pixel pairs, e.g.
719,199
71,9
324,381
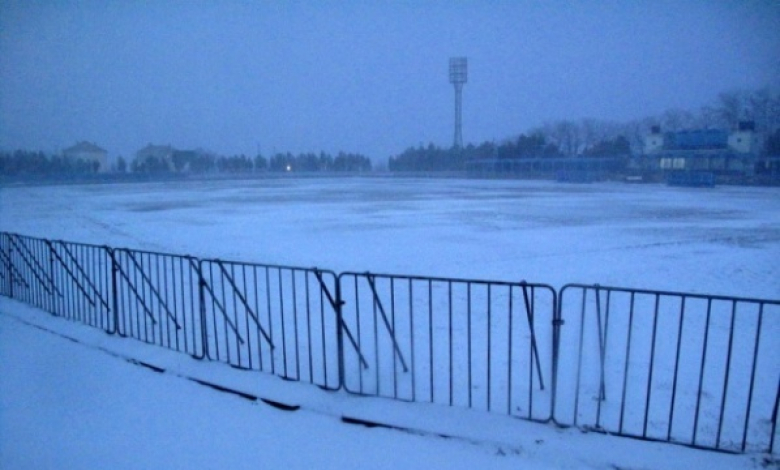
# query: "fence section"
695,369
699,370
157,299
84,274
72,280
282,320
478,344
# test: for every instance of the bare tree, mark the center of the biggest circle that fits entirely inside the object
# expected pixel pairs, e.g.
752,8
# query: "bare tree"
709,118
677,119
731,107
636,132
763,109
591,131
565,135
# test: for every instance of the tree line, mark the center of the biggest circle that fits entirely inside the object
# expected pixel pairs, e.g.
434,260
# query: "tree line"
199,162
760,107
36,163
590,137
533,145
585,137
23,162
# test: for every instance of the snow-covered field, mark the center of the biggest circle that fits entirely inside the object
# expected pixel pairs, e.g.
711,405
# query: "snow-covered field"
724,240
719,241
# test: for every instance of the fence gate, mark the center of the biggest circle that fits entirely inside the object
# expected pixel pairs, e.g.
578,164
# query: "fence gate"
277,319
157,299
478,344
694,369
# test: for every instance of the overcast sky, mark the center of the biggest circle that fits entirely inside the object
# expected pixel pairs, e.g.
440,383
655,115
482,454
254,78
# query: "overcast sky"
368,77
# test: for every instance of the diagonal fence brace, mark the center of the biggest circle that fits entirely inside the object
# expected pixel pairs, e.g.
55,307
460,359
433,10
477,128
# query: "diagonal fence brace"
529,315
243,300
18,278
337,308
84,275
73,276
205,286
378,303
35,266
118,268
154,291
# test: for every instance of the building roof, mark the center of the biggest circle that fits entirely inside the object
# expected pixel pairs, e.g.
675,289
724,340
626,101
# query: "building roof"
697,139
85,146
155,150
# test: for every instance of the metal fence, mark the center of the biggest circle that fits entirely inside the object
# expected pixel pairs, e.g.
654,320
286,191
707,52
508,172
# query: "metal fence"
478,344
695,369
700,370
278,319
157,299
71,280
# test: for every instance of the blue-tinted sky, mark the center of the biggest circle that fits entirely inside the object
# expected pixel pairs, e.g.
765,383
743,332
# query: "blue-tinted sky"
368,77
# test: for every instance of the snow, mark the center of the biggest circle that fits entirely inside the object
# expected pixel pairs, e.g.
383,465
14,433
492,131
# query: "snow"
82,406
722,241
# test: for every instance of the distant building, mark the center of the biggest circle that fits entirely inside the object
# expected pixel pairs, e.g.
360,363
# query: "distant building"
654,142
165,158
744,140
154,158
89,153
718,151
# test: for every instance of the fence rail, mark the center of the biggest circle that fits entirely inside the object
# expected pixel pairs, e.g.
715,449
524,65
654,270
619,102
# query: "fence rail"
698,370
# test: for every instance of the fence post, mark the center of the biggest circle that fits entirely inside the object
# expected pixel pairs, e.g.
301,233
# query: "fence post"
10,270
114,292
774,421
196,264
56,303
53,296
602,339
557,323
337,306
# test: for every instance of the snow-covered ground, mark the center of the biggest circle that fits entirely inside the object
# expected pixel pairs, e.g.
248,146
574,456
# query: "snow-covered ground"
720,241
724,240
82,405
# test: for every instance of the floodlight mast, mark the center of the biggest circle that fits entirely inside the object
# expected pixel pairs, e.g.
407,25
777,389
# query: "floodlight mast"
458,77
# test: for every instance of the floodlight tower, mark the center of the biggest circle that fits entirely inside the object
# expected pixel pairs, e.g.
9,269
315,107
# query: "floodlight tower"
458,76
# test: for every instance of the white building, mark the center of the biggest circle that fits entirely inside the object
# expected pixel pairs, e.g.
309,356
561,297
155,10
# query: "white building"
87,152
746,140
160,153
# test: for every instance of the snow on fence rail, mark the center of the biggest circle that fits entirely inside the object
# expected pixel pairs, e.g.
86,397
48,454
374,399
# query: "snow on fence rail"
699,370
